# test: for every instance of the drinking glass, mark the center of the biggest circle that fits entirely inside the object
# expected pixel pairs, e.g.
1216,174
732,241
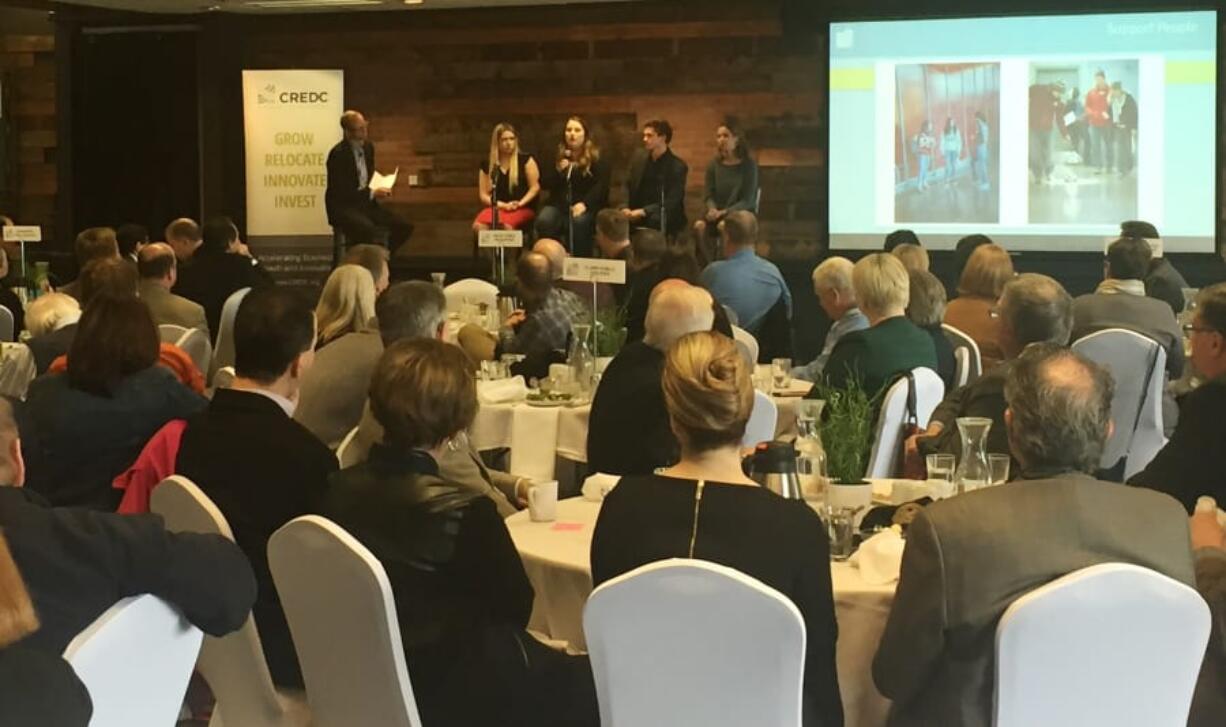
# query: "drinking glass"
998,468
781,373
941,473
438,278
840,521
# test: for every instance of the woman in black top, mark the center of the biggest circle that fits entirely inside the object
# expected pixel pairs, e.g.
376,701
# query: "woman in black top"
519,183
580,176
705,507
462,598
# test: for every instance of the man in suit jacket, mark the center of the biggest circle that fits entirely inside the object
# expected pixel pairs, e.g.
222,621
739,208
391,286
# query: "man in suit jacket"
221,266
1193,462
95,243
352,205
1209,543
77,563
969,557
158,272
657,174
259,466
1162,281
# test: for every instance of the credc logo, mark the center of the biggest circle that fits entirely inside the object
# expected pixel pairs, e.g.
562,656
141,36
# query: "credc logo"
267,95
270,95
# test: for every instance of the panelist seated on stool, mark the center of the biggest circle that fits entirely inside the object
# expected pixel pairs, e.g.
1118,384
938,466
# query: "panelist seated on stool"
353,207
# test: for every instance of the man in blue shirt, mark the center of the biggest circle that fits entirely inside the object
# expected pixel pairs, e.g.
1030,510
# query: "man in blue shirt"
837,297
744,282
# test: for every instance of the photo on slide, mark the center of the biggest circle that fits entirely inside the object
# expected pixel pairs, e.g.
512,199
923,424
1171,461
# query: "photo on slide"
946,150
1083,141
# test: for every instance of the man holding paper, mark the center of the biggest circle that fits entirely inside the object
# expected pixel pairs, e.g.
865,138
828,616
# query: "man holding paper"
355,188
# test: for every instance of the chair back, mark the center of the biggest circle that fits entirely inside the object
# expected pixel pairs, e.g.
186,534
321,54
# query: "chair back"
233,664
1112,644
883,460
342,616
223,352
474,290
966,349
1138,365
193,341
662,655
6,324
747,344
763,420
342,450
135,660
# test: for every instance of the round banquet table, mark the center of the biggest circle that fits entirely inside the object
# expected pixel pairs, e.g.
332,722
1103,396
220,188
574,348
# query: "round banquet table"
555,557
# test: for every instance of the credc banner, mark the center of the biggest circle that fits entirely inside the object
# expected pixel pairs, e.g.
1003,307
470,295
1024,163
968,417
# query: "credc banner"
291,121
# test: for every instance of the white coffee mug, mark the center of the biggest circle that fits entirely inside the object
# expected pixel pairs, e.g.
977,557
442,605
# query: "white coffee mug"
543,501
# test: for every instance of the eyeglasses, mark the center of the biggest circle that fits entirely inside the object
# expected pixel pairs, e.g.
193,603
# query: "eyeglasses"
1189,328
994,312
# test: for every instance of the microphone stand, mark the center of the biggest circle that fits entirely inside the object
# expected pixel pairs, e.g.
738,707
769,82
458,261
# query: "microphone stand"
663,212
495,173
570,210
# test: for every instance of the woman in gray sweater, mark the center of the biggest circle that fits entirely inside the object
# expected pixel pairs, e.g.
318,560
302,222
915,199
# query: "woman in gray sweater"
731,185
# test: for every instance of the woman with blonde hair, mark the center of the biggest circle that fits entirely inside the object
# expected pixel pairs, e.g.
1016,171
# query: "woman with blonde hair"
347,305
987,270
705,507
514,176
578,185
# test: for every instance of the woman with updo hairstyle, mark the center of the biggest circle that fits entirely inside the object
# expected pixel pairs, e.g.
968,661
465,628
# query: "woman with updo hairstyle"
462,597
705,507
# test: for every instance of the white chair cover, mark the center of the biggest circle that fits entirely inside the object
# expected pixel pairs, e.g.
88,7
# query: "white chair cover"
341,614
1130,357
224,378
192,341
662,656
1112,644
963,367
6,324
135,660
233,665
929,390
223,353
17,369
762,421
474,290
342,449
747,343
974,361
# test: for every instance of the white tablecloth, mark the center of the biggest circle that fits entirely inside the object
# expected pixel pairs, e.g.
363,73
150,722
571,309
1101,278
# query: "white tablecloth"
555,556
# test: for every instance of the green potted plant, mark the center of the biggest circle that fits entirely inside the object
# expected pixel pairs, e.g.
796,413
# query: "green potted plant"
847,429
610,331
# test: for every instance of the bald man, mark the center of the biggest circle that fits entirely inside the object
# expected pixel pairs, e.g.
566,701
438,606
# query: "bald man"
353,207
628,431
556,254
158,268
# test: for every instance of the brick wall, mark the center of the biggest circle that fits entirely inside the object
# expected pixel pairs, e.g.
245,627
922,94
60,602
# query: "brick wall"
28,63
434,85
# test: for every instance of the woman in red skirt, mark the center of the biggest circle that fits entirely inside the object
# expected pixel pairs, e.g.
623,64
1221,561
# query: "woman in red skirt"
518,183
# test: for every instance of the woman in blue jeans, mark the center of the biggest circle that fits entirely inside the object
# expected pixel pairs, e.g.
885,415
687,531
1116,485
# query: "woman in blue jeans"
925,145
951,148
578,186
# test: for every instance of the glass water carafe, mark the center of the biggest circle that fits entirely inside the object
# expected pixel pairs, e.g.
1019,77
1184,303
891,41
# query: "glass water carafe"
972,472
581,361
810,453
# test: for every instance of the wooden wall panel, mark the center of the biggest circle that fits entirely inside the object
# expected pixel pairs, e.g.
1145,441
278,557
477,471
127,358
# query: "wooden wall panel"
30,64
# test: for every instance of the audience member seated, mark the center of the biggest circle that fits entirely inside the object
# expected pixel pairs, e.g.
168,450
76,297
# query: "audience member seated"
183,235
1162,281
95,243
462,597
9,299
373,258
556,254
219,267
346,305
110,276
85,425
579,178
260,467
1120,302
837,298
987,270
52,322
414,311
731,183
77,563
130,238
746,283
628,431
1209,545
969,557
613,235
925,308
518,186
900,237
891,345
705,507
962,254
159,270
647,249
655,185
912,257
1033,309
1193,462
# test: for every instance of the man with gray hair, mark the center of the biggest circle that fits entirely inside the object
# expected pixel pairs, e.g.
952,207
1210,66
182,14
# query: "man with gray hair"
969,557
1032,309
628,430
832,285
335,387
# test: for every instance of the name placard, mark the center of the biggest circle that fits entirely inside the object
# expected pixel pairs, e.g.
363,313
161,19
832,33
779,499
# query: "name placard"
23,233
500,238
594,270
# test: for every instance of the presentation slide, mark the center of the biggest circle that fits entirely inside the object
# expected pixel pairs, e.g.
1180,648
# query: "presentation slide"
1041,132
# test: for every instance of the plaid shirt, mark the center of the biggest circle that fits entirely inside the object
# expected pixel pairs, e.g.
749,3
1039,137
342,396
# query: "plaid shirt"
547,328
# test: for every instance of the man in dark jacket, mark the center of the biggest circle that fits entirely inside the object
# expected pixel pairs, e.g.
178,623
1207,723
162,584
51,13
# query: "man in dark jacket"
221,266
656,185
1125,114
352,205
1162,281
